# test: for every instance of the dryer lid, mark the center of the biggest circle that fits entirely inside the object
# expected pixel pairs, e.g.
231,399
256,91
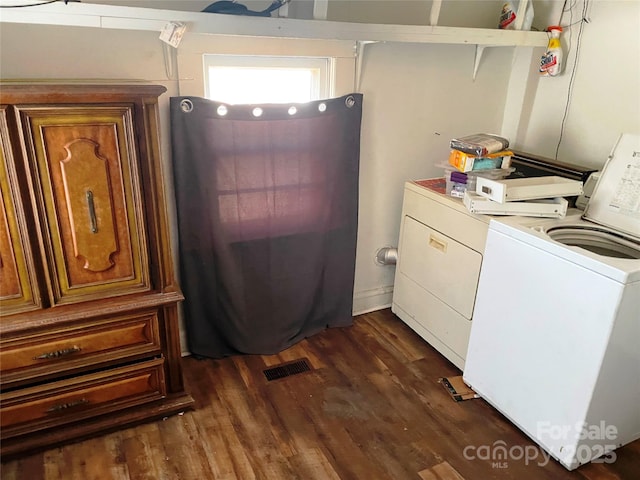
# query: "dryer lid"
615,202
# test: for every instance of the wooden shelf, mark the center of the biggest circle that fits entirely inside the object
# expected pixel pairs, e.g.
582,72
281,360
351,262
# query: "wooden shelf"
147,19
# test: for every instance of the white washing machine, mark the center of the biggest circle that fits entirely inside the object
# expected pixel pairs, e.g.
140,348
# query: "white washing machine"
555,341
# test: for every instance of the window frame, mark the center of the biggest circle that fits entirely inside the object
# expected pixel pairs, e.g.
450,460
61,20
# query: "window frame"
324,82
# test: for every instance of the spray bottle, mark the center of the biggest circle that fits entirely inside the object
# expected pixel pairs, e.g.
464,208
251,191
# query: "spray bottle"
508,16
551,61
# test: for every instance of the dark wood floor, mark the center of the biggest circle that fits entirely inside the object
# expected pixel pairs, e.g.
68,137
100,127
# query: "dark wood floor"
370,408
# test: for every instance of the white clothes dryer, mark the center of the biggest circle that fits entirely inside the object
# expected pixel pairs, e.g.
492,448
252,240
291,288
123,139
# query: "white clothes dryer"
555,340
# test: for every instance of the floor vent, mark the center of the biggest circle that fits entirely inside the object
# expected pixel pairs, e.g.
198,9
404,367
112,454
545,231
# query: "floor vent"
287,369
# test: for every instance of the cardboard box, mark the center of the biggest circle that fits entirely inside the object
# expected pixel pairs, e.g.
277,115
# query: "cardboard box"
465,162
458,390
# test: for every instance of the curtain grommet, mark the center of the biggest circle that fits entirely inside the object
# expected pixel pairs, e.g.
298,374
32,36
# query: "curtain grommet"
186,105
350,101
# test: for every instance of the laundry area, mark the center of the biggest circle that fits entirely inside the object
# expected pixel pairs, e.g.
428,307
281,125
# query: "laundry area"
418,241
537,302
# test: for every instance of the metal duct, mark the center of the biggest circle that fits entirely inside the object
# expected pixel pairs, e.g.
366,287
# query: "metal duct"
387,256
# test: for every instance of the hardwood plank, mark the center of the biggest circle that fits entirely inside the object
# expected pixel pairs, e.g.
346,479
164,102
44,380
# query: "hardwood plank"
343,451
313,465
301,350
183,448
231,459
97,465
627,459
267,460
9,471
402,341
31,467
54,464
145,455
83,460
271,360
442,471
257,384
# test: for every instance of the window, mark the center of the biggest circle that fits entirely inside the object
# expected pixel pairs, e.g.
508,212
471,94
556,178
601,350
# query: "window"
237,79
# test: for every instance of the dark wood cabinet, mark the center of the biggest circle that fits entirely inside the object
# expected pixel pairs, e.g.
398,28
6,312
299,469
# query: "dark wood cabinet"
88,301
18,285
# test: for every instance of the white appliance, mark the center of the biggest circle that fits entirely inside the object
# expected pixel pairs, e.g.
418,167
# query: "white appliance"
439,259
555,341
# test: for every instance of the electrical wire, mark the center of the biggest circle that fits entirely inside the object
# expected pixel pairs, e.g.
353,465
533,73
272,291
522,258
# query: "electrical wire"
582,22
564,6
34,4
567,27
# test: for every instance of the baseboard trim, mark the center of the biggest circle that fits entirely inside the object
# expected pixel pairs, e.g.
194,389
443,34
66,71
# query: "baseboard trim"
373,299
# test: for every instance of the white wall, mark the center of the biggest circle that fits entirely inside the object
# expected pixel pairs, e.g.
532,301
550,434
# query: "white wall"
606,89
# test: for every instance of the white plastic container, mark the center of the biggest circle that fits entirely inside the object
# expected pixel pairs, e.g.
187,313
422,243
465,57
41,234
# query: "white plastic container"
528,188
551,61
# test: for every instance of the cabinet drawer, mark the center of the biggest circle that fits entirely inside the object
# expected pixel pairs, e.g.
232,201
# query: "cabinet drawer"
81,397
440,325
440,265
79,346
448,216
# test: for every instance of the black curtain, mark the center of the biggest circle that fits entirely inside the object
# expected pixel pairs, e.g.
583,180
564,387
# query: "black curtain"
267,200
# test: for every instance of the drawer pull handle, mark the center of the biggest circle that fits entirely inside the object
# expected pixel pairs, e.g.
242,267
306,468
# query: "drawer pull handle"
58,353
92,212
65,406
437,244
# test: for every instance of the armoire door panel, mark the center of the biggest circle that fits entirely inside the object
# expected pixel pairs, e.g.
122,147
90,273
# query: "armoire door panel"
88,173
85,176
18,289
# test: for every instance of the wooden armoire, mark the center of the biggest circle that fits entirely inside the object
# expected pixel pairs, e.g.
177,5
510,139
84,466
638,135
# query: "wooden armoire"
89,337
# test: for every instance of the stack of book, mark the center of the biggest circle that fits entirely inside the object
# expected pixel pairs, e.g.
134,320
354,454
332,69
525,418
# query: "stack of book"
479,155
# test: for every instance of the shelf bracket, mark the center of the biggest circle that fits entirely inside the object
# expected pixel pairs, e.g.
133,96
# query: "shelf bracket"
434,16
478,58
520,14
360,47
